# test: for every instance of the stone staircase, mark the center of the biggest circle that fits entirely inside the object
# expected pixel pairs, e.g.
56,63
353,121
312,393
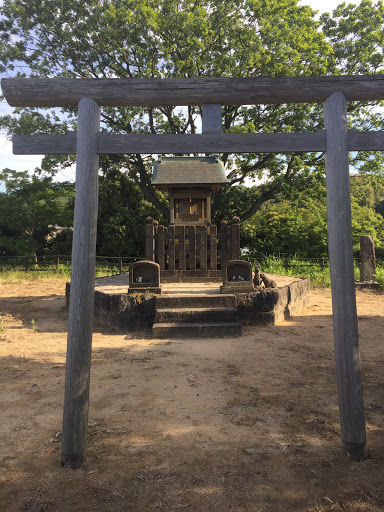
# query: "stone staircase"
193,316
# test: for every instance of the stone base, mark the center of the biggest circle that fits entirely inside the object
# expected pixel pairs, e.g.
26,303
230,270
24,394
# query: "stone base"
190,276
153,290
196,330
128,312
269,306
237,287
368,285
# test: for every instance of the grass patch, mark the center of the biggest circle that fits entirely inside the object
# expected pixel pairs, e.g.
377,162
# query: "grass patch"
380,274
317,270
18,275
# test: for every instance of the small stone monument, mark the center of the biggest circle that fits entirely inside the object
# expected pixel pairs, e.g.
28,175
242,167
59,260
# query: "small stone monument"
368,259
237,277
144,276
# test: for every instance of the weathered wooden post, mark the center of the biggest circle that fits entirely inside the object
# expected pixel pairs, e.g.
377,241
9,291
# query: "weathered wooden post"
368,259
212,123
223,235
180,230
192,248
351,407
120,265
213,248
77,377
149,239
235,238
171,248
161,246
211,118
203,247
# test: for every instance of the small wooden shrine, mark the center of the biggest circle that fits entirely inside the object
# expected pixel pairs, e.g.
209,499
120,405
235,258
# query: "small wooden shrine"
188,248
190,181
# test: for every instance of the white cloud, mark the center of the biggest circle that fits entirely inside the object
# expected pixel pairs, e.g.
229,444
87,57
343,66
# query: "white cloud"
16,162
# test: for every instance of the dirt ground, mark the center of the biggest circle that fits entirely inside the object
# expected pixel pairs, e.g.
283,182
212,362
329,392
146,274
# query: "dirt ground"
245,424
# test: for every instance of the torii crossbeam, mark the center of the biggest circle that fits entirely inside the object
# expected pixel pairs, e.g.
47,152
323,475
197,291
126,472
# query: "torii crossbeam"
336,140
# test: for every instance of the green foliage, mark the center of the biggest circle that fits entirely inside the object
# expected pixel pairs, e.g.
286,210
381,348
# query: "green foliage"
122,214
288,228
229,202
33,325
317,271
165,38
356,35
299,225
2,325
157,39
30,209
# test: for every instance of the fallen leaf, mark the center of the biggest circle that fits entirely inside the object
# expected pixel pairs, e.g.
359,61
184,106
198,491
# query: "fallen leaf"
92,471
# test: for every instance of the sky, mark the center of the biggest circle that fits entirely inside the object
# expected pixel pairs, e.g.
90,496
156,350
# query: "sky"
30,162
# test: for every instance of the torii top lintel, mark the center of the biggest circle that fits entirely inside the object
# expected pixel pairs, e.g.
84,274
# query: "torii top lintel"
61,92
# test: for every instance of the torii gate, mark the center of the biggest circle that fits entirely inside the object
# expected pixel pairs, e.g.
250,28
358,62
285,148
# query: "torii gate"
336,140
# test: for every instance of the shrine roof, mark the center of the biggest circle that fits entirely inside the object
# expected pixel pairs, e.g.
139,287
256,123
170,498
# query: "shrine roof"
207,170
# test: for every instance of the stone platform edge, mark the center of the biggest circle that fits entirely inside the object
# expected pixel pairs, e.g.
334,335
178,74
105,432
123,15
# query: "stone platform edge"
124,312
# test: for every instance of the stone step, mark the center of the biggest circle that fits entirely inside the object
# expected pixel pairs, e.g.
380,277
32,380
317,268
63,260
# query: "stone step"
195,301
196,315
190,279
196,330
190,276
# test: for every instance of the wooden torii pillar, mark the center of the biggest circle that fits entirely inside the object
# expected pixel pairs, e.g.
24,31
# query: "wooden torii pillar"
88,143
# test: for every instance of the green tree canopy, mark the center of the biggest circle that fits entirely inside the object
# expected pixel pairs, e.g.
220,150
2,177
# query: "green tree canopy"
168,38
159,39
299,226
31,209
122,214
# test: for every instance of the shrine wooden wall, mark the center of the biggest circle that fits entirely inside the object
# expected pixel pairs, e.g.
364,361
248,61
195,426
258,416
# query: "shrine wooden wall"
192,247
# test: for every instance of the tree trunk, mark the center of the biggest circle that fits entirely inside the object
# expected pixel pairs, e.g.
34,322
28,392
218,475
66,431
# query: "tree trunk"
31,243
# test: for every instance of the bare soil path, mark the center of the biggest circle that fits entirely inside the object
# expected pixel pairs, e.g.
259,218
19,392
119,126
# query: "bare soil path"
245,424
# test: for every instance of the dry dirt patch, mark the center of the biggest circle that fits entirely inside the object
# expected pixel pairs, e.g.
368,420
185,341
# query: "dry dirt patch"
246,424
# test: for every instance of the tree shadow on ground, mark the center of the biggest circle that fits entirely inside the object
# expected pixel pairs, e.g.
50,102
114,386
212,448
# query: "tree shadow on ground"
249,424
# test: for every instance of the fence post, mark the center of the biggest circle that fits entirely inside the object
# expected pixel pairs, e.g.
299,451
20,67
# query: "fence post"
57,262
27,264
120,265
